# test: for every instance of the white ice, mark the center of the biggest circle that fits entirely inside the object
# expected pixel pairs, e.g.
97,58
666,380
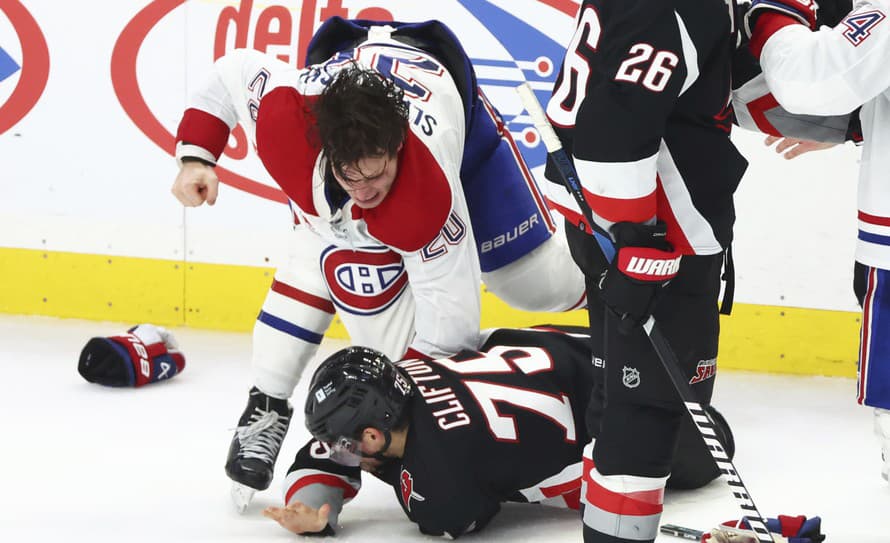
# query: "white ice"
80,462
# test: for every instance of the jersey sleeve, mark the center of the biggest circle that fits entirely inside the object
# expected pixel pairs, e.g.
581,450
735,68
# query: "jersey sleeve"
829,72
228,96
314,479
623,72
757,109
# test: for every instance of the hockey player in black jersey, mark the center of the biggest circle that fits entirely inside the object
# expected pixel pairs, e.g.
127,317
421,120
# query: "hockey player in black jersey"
456,437
641,106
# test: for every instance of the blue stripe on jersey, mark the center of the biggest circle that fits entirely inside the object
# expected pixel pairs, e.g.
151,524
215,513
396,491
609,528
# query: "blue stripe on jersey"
7,65
877,363
874,238
289,328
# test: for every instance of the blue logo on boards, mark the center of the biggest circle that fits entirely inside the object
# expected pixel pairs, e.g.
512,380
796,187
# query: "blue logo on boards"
8,66
535,58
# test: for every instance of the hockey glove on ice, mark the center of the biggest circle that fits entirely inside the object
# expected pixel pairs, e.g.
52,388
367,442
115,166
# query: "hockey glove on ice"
804,11
799,529
644,263
144,355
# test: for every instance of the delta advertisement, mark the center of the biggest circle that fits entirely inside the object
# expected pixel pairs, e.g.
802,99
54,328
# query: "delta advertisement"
91,94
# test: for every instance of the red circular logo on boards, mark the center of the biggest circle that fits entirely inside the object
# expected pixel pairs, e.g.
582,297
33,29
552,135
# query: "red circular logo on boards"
32,68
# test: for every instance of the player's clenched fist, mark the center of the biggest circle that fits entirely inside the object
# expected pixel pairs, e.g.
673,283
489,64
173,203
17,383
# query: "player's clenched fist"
196,183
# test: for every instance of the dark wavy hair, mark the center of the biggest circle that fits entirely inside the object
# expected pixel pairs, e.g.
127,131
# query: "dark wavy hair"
360,114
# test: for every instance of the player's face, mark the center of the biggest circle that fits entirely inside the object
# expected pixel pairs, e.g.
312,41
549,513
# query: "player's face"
369,179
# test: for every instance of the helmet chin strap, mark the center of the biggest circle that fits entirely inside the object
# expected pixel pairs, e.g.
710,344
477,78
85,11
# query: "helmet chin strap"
379,454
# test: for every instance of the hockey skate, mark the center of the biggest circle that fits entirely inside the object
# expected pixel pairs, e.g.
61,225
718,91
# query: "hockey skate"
254,449
882,430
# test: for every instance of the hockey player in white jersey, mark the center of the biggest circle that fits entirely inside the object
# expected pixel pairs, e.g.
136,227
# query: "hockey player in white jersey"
406,190
834,71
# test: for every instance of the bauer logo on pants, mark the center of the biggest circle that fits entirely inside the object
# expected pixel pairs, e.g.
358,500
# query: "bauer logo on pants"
366,281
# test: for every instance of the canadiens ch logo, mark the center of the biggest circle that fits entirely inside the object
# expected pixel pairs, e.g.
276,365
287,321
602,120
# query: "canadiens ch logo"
408,494
631,377
365,282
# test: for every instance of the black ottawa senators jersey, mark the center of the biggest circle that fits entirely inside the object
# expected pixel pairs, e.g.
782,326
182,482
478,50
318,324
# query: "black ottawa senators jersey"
642,105
506,424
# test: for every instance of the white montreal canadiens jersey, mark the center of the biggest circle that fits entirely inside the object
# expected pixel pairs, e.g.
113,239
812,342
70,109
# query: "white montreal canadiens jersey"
832,72
424,218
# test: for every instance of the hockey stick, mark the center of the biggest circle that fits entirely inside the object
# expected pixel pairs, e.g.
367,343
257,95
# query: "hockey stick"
668,359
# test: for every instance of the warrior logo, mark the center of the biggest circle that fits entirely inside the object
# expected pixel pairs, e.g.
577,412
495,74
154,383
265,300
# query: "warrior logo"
408,493
705,370
631,377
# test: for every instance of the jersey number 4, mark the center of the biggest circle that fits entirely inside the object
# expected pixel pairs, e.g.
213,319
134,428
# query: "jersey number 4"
528,360
644,66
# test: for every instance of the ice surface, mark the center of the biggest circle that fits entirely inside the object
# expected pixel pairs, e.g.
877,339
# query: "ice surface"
81,462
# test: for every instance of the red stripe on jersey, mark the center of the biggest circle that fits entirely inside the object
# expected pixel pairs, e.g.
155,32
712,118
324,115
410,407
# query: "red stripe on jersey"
303,297
414,354
204,130
517,155
321,479
640,503
283,127
622,209
768,24
865,334
573,499
418,204
874,219
561,489
675,234
758,108
570,215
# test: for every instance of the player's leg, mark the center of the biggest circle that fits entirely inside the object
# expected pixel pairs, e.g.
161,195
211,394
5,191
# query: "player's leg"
693,466
524,260
545,279
294,317
627,468
872,287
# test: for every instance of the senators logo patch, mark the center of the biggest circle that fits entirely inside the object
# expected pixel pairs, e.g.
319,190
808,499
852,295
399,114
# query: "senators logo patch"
704,371
407,487
363,282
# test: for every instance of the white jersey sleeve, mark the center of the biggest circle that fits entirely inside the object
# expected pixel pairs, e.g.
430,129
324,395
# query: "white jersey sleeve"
832,71
230,94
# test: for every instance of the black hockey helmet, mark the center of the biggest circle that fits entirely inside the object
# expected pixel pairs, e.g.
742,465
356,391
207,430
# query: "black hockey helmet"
353,389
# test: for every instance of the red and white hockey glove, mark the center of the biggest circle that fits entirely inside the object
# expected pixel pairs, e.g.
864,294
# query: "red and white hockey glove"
802,11
644,263
144,355
799,529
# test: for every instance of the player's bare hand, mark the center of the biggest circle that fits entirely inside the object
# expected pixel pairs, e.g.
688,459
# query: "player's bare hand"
793,147
196,183
299,518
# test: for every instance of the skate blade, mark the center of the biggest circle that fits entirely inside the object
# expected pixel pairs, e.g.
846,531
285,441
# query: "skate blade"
241,496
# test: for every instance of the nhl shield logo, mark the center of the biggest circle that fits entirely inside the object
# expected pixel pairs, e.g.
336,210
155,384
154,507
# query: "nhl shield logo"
631,377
